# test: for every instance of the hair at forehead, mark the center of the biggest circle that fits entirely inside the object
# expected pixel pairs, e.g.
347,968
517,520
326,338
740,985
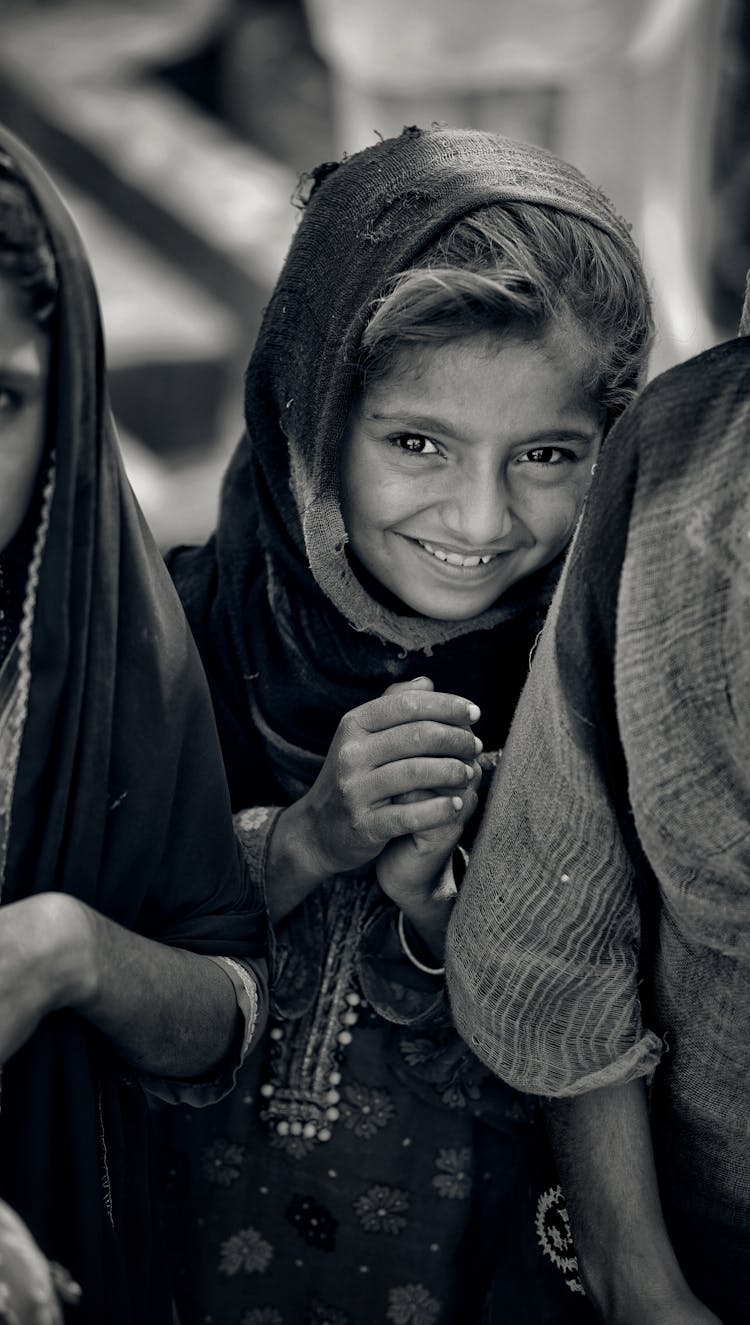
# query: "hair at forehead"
518,269
26,257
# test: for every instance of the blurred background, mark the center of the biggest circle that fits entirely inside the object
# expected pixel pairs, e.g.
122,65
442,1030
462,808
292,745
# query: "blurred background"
177,129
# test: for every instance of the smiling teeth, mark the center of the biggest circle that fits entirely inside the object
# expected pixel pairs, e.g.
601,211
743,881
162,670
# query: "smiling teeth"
453,558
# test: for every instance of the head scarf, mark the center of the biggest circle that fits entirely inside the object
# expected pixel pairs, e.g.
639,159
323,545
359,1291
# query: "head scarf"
118,797
284,622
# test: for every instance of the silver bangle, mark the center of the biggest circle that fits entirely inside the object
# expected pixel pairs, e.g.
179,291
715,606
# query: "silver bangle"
428,970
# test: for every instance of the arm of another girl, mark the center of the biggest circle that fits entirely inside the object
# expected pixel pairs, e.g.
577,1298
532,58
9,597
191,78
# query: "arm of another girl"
169,1012
602,1145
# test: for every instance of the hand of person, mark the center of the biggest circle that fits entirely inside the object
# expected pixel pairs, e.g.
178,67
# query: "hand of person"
42,939
29,1284
167,1011
409,868
410,739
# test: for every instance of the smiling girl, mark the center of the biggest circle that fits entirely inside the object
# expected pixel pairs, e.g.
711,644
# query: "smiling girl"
421,459
459,321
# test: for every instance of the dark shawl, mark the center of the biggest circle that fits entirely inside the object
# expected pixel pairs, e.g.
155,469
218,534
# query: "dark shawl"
120,799
291,636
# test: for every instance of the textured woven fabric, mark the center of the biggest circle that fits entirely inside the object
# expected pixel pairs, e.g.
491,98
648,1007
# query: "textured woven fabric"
636,716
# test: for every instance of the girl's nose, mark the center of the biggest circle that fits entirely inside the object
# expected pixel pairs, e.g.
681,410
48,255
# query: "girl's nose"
478,512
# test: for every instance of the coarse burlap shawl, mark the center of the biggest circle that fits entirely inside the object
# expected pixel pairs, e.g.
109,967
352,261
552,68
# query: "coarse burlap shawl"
119,799
291,635
620,810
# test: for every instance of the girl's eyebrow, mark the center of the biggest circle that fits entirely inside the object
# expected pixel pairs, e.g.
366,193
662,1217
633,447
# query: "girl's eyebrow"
583,434
425,423
30,377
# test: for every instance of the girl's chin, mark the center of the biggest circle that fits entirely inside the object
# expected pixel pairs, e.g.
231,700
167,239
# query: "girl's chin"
462,607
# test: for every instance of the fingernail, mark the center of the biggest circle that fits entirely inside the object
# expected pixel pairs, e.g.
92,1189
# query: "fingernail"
474,713
469,771
457,802
478,746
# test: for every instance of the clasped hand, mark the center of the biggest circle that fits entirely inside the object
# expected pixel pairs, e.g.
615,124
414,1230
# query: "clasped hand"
398,784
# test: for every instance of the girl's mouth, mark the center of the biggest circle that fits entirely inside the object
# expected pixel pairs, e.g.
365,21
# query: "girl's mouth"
457,558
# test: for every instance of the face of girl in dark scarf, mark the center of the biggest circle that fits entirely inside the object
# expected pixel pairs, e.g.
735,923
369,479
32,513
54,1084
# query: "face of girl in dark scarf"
464,469
24,360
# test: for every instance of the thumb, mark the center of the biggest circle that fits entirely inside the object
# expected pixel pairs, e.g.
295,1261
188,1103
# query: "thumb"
437,841
447,836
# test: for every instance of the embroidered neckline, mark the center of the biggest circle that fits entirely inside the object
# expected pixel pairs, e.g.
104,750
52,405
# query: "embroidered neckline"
301,1096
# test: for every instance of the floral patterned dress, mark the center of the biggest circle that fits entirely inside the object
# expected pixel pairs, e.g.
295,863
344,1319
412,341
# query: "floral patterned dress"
366,1168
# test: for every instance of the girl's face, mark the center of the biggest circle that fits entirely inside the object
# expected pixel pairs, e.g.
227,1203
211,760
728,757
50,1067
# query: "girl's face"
465,468
24,363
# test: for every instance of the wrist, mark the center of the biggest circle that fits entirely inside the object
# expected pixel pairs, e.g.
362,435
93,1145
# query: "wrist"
293,864
637,1304
632,1285
422,930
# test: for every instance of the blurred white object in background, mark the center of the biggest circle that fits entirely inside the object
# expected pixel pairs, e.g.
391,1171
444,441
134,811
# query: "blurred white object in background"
622,88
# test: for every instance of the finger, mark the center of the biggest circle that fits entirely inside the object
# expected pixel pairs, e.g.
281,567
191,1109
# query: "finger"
408,705
407,775
447,836
418,683
392,820
413,740
476,782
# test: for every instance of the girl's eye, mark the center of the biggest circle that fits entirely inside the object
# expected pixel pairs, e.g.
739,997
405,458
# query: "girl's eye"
414,444
10,400
546,455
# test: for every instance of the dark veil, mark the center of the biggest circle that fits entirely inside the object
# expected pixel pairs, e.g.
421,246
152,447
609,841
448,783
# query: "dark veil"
119,799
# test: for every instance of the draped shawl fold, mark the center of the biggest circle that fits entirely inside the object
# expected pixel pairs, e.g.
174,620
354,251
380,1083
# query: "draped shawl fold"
292,637
119,798
617,829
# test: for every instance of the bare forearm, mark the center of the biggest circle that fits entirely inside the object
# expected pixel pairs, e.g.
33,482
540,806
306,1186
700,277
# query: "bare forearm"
167,1011
602,1145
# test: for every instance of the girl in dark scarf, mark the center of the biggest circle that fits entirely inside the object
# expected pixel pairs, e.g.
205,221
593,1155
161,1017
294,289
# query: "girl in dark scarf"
129,927
459,320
